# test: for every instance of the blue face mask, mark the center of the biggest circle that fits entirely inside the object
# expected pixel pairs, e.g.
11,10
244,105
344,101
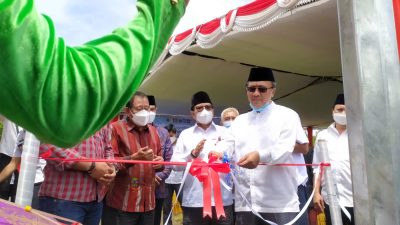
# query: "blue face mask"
262,108
227,123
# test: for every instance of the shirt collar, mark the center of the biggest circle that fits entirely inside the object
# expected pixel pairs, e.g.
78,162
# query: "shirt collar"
211,127
131,126
271,105
333,129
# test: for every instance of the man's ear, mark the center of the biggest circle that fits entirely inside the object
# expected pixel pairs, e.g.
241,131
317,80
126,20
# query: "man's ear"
193,114
126,110
273,92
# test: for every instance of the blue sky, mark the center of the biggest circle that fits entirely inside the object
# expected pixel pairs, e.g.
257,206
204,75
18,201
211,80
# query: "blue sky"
79,21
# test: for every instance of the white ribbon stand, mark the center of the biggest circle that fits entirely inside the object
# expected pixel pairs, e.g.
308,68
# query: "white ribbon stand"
188,166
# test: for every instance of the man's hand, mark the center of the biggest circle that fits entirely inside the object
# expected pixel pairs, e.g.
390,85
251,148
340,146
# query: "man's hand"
199,147
250,160
158,159
158,180
107,179
100,169
319,204
301,148
145,153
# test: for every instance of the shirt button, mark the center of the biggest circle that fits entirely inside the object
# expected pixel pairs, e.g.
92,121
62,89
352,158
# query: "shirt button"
174,2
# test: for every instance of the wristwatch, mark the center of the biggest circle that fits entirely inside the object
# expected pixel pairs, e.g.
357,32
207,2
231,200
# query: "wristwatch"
191,153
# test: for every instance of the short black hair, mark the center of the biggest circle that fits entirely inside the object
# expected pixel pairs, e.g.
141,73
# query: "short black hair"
139,94
152,100
170,128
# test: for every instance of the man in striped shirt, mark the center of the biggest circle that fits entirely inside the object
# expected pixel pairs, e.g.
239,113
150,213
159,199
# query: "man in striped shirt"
131,198
75,190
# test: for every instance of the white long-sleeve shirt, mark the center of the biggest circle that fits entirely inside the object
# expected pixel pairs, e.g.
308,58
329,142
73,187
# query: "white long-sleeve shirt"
187,141
273,133
338,151
9,137
302,176
21,140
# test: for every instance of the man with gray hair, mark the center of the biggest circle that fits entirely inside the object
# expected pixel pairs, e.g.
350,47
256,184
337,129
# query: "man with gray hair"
228,115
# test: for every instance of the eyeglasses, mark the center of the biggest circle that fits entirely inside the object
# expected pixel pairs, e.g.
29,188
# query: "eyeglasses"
260,89
200,108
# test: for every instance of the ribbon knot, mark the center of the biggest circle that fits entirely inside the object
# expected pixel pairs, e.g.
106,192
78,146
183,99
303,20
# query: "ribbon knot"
207,174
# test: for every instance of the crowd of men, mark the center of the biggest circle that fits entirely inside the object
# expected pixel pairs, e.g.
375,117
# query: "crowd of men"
123,193
84,87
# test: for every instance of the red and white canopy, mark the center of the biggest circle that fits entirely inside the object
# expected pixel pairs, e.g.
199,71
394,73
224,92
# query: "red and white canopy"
298,39
252,16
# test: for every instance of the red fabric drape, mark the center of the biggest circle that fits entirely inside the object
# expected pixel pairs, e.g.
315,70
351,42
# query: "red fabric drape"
254,7
209,27
183,35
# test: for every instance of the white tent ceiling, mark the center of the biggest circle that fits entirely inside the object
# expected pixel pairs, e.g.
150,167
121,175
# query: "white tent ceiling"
302,48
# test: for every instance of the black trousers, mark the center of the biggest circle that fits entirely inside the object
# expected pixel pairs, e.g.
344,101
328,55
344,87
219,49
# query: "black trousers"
248,218
113,216
158,210
194,216
346,221
7,190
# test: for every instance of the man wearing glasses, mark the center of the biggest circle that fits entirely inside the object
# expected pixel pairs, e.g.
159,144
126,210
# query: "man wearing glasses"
197,142
267,134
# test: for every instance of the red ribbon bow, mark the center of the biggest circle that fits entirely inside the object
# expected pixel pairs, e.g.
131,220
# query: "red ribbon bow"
207,173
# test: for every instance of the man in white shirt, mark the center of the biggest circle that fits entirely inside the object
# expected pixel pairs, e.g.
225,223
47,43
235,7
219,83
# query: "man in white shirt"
338,151
197,142
8,187
300,149
228,115
16,161
271,130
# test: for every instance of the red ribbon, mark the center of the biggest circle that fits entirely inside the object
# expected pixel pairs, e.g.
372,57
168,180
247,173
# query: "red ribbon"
207,173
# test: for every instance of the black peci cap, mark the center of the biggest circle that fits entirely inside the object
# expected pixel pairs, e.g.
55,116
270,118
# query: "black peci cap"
261,74
339,100
200,97
152,100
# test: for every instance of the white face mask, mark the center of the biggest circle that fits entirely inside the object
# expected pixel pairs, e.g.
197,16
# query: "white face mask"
204,117
141,118
173,139
152,116
227,123
340,118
